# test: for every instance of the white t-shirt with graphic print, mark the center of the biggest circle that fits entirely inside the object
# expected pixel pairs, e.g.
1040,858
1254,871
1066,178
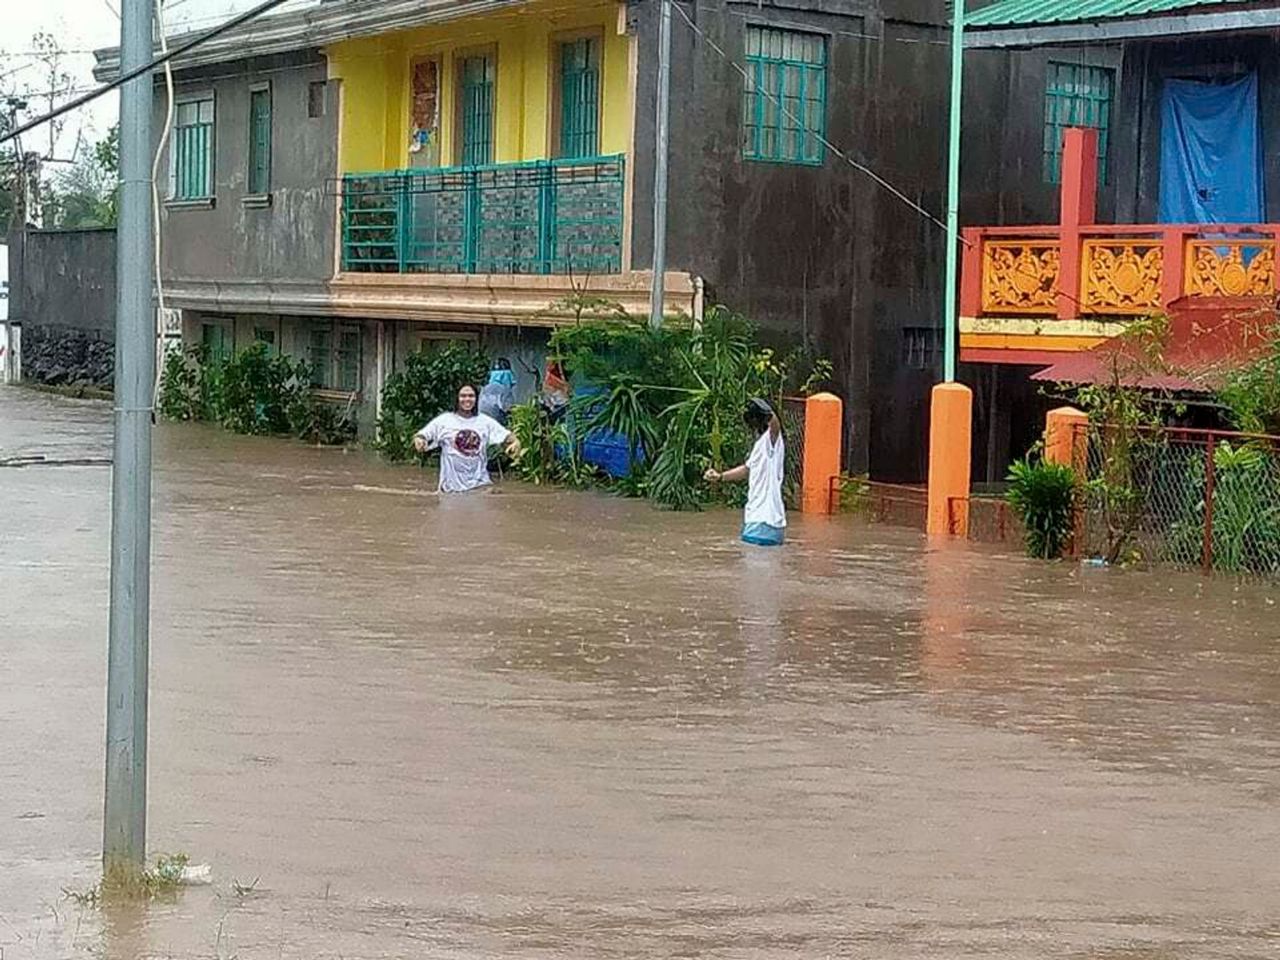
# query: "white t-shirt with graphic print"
464,444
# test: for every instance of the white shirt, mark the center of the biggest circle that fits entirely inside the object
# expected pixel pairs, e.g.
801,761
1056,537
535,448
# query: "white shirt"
764,482
464,444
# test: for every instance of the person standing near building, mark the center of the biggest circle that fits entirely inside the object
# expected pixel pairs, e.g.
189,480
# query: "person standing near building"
498,396
464,437
765,516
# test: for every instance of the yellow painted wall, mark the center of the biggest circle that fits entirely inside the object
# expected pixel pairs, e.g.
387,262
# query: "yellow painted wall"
375,82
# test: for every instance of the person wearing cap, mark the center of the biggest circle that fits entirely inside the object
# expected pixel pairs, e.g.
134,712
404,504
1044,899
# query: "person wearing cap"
764,520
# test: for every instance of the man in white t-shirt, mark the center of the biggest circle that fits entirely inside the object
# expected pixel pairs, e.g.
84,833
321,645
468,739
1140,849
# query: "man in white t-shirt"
764,520
464,438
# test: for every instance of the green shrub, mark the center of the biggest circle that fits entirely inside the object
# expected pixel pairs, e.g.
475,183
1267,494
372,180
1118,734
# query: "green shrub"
677,395
1246,512
256,391
1042,495
180,395
252,392
426,387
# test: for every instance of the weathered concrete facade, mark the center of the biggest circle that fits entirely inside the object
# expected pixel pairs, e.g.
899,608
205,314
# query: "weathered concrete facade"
62,287
289,237
818,253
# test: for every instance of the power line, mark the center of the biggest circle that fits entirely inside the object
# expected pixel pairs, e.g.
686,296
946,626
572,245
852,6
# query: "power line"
146,68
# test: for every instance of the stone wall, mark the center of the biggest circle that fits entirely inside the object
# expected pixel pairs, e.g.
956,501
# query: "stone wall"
63,290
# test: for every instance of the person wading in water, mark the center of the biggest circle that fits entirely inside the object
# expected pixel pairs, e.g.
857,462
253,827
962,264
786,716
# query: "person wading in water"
464,438
765,517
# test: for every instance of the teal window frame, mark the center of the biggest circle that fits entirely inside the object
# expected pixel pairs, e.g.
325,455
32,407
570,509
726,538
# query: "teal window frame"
784,105
335,353
477,93
578,113
259,181
192,153
1076,95
219,339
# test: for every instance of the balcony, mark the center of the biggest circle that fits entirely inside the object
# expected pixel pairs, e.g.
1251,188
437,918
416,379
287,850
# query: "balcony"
1030,294
559,217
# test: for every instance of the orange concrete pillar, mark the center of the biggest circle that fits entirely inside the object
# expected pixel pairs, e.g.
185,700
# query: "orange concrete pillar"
1079,208
823,431
1064,436
950,440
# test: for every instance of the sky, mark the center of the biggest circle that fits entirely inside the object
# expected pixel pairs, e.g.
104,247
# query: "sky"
81,26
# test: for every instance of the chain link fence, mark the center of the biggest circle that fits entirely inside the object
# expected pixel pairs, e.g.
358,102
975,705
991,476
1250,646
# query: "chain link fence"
1190,498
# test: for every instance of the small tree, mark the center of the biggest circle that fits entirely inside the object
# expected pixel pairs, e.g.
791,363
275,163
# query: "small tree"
1126,420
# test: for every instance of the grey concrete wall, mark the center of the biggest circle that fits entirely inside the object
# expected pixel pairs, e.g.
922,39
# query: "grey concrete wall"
62,288
817,253
1003,135
293,238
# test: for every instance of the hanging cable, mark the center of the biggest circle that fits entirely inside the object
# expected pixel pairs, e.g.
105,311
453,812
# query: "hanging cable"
136,72
782,107
161,312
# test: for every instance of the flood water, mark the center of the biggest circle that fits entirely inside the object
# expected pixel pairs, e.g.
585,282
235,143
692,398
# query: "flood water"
550,724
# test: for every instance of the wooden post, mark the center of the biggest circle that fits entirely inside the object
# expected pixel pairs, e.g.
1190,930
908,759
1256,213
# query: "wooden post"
971,273
823,430
1206,553
1079,208
950,440
1173,266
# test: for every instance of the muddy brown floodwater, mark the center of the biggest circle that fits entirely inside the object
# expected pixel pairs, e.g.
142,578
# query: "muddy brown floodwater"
548,724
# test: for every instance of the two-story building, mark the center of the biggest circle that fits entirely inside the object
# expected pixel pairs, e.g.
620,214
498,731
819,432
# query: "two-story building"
1165,198
353,180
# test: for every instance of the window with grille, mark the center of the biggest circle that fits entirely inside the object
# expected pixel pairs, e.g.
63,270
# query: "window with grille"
784,105
920,347
1076,96
260,141
218,340
334,355
476,94
580,98
192,154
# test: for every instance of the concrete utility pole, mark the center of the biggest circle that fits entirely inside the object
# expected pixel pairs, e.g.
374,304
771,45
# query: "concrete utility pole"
951,291
125,810
659,294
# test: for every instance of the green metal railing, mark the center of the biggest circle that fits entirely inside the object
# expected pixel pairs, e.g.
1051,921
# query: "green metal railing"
544,217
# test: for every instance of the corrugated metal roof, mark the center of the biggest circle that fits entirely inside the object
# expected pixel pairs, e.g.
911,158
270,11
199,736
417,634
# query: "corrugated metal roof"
1031,13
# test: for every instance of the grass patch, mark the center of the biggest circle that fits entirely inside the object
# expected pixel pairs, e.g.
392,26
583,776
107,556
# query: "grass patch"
162,880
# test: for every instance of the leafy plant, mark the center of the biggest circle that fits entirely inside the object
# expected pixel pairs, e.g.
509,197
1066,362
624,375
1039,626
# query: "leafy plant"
1042,495
1126,422
1251,393
1246,512
426,387
256,391
180,395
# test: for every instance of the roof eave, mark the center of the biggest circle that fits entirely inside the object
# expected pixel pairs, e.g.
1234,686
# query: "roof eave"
310,28
1112,31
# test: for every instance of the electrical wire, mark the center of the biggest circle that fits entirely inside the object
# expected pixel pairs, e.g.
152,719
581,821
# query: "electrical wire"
161,312
147,67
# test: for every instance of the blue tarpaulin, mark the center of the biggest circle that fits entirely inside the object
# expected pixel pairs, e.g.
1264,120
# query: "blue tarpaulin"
1211,153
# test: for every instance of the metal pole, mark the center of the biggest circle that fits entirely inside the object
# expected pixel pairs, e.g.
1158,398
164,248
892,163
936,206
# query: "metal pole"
1206,549
125,807
662,151
951,290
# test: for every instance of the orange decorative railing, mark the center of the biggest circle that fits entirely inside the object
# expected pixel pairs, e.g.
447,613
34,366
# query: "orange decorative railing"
1231,268
1020,276
1121,276
1113,270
